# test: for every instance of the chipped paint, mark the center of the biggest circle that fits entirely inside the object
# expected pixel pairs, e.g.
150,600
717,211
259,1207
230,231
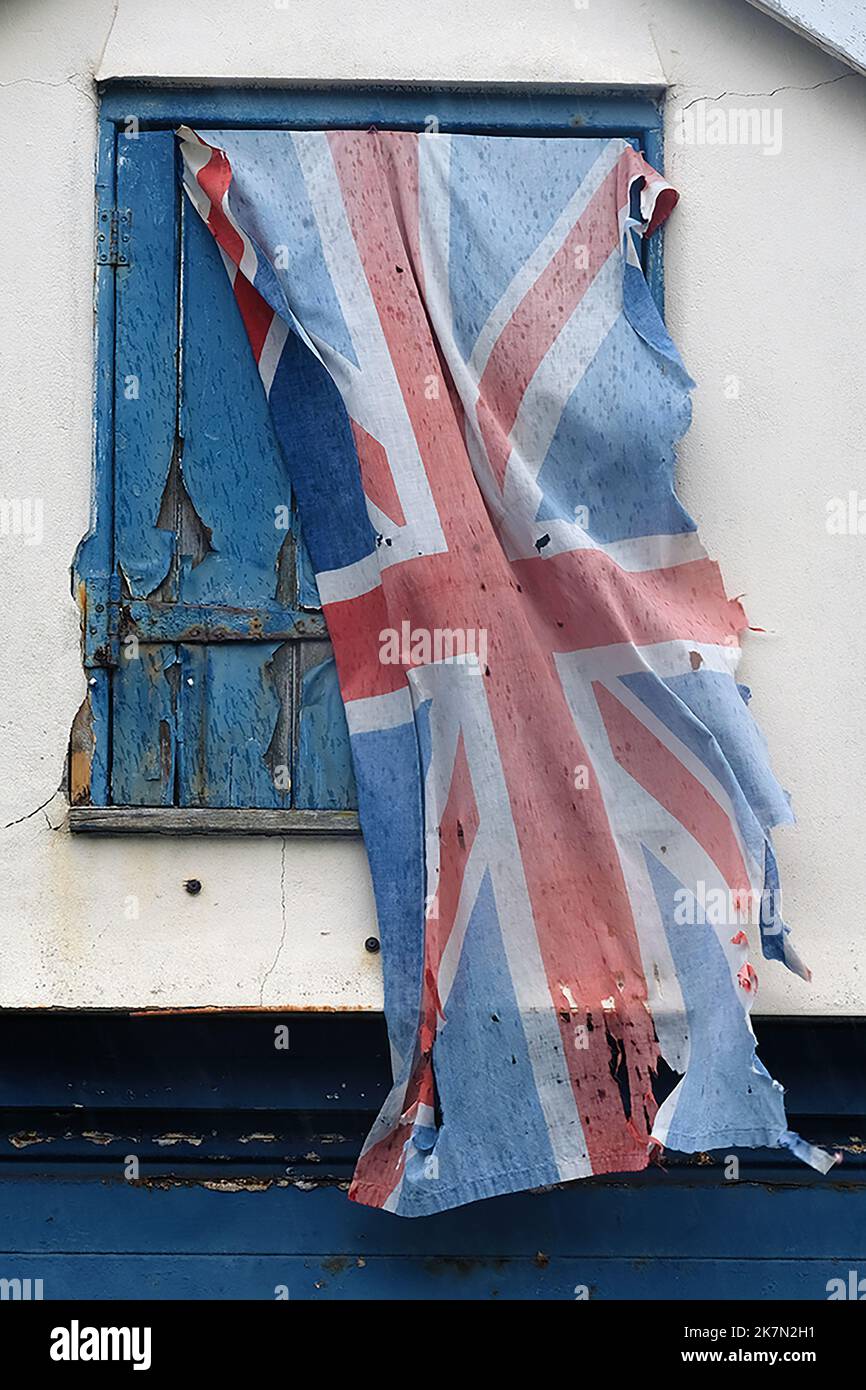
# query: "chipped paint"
569,997
195,585
81,748
166,1183
25,1138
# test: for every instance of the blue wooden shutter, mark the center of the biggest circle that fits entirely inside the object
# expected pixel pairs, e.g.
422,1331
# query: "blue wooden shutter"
223,691
233,677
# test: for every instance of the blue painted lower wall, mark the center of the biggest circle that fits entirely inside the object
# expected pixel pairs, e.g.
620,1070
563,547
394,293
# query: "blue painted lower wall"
244,1150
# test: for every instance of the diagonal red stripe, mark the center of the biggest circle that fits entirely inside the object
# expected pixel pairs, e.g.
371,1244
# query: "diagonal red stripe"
457,830
540,317
214,179
669,782
376,474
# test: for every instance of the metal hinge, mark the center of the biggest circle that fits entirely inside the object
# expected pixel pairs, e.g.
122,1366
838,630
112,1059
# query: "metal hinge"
101,620
113,236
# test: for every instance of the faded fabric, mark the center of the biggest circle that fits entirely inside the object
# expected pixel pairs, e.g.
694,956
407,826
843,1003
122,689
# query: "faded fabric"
565,801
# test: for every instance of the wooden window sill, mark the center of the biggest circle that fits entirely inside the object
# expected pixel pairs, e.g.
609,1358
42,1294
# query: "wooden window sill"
204,820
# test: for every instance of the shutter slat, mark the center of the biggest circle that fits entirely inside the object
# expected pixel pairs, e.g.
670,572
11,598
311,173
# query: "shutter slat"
145,359
233,471
231,703
144,745
323,760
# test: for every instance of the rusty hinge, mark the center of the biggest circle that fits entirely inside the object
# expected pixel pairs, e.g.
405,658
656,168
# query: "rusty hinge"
113,236
101,620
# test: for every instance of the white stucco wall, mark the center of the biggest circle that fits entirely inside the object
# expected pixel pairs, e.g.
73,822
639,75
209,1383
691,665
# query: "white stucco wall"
764,285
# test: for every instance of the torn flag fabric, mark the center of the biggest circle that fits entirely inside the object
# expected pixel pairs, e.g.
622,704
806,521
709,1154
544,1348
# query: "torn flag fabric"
565,802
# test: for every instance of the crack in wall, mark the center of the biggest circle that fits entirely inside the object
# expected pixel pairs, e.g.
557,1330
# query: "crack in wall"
28,815
828,82
274,963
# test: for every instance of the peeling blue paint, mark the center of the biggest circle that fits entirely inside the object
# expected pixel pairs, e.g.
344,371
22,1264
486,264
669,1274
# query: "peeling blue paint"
324,777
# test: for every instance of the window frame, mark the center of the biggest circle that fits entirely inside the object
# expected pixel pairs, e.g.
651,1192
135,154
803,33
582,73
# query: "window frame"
635,114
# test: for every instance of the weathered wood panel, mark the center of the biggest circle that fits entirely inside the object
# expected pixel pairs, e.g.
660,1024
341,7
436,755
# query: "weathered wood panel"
207,537
233,471
144,746
145,384
177,820
323,761
234,749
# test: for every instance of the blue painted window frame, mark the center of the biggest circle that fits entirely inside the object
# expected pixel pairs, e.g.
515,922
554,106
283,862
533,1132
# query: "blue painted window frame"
635,115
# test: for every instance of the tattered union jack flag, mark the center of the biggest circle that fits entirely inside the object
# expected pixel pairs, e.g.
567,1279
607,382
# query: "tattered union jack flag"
565,801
